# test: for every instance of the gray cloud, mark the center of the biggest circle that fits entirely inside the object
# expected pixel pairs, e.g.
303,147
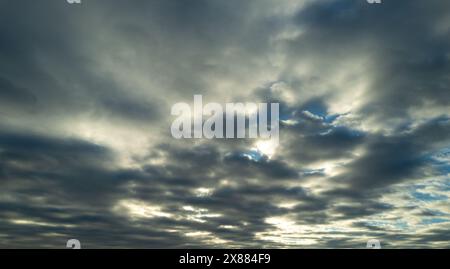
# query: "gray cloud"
85,148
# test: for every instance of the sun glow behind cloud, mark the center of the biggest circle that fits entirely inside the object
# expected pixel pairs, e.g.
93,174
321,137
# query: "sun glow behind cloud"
266,147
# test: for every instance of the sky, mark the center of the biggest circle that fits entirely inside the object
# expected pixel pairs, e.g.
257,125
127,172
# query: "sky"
86,152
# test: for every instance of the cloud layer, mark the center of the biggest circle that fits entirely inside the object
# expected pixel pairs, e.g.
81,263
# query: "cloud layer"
85,144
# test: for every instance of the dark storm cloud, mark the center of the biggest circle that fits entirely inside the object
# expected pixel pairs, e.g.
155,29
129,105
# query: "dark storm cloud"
407,40
77,175
10,93
262,168
68,168
323,144
391,159
46,69
388,160
86,224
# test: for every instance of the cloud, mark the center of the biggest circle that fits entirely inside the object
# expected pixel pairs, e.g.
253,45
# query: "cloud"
85,145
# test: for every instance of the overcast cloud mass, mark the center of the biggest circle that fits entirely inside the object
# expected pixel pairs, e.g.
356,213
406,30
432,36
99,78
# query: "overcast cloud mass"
85,145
